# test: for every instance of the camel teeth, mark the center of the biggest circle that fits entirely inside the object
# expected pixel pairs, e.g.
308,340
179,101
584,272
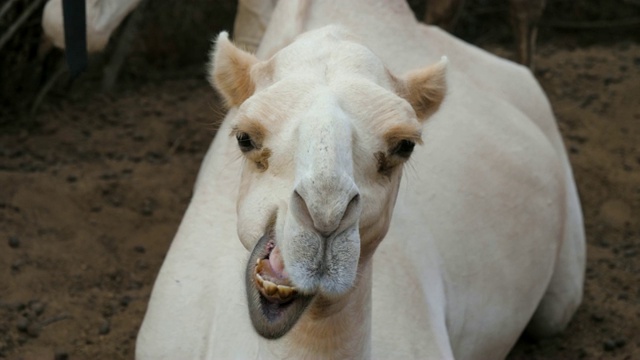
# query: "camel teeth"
259,279
269,287
285,292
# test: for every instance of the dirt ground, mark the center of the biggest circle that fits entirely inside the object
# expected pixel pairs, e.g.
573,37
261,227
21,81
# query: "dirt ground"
93,188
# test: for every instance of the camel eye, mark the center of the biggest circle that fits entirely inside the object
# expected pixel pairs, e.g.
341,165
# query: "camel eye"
404,148
244,142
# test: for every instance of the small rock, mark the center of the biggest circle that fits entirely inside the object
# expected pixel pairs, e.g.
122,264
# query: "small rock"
22,338
115,200
139,137
14,242
17,264
34,330
597,318
72,178
154,157
139,249
147,209
105,328
582,353
61,355
142,265
22,324
37,307
609,345
125,300
149,206
108,176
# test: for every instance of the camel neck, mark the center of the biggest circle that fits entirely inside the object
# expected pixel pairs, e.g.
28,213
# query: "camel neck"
338,328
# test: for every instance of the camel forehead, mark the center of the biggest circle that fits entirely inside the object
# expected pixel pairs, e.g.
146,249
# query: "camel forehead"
326,66
360,98
329,54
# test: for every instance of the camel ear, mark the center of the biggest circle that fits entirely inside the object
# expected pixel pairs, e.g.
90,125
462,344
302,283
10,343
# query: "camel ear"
230,71
425,88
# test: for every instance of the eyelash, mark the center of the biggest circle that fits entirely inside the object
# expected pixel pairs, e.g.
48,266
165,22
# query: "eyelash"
245,142
404,148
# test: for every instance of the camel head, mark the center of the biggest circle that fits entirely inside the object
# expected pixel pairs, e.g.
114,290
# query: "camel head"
324,129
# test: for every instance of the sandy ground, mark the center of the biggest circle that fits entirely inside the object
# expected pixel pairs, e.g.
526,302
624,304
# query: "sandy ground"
93,189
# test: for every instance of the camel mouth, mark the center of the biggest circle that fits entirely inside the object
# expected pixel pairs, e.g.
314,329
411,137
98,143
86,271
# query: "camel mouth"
275,305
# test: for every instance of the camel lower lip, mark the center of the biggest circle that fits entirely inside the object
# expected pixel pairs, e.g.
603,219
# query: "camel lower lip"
275,312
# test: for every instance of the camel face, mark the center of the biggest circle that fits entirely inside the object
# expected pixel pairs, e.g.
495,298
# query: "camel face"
324,129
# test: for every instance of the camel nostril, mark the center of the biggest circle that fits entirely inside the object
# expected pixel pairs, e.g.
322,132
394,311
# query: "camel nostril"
325,215
301,209
352,212
353,203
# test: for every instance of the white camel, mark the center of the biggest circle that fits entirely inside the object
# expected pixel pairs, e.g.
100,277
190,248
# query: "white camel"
304,239
102,17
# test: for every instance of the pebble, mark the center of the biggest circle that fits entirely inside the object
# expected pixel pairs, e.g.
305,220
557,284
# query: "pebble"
142,265
125,300
14,242
139,249
37,307
609,345
105,328
72,178
155,157
147,208
582,353
61,355
108,176
34,330
597,318
22,324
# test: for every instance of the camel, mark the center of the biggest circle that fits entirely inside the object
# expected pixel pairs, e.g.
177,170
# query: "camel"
103,18
378,189
252,17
